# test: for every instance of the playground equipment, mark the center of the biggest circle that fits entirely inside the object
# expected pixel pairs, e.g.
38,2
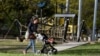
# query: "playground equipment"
94,21
20,28
83,31
58,31
66,16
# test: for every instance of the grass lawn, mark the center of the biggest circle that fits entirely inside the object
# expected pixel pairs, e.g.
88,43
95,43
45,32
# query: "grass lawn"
84,50
14,48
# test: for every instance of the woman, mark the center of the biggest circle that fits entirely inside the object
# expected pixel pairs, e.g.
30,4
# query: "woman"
32,28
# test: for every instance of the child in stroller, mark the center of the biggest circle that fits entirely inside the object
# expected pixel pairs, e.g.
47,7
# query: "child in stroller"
48,44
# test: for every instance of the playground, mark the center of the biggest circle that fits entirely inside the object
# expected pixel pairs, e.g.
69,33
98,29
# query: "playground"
72,33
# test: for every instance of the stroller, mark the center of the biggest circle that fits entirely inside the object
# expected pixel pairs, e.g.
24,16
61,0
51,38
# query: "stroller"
48,43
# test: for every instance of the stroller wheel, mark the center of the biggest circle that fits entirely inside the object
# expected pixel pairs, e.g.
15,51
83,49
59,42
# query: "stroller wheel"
38,52
49,52
45,51
54,51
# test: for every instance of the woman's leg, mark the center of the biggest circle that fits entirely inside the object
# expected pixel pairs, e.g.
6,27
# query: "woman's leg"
29,45
33,46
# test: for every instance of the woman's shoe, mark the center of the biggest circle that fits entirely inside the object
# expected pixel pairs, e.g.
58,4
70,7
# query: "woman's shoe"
24,52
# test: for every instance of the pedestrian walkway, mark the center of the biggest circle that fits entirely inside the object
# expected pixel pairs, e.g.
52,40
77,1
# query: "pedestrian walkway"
64,46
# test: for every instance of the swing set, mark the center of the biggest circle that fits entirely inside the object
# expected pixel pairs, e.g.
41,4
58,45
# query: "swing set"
19,27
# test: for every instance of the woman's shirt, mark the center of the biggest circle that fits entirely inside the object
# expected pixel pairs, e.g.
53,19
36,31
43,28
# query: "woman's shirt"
32,28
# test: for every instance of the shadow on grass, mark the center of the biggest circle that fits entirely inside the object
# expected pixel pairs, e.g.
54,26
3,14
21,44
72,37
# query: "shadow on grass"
14,48
11,49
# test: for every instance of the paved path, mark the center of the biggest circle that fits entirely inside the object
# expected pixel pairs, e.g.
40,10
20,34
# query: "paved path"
69,45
